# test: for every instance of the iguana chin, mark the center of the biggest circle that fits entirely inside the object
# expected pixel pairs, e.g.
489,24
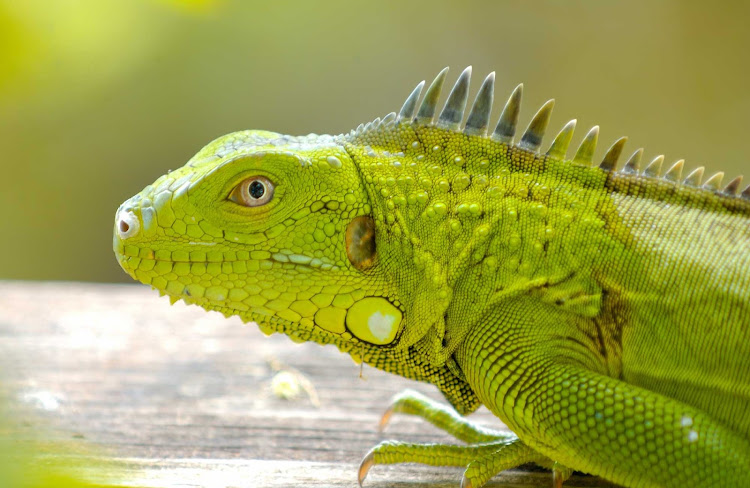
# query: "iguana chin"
602,314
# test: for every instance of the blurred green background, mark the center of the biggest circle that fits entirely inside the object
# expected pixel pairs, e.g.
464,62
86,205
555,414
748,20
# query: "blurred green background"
100,97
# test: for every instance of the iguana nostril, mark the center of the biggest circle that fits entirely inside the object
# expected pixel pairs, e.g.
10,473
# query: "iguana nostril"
127,224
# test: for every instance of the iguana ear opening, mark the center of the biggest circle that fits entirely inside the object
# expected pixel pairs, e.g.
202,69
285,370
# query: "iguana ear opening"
360,242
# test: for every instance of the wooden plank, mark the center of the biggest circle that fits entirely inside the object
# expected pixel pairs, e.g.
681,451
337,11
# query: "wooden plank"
176,396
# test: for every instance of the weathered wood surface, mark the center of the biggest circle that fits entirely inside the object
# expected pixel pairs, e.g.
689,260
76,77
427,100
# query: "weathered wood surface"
179,397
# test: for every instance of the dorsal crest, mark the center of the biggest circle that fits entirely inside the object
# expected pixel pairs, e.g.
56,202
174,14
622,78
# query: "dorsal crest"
477,123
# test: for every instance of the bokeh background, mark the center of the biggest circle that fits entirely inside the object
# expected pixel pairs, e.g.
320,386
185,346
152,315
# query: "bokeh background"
100,97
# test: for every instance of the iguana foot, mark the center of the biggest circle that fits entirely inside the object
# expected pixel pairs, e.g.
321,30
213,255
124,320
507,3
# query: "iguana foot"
482,461
488,452
505,456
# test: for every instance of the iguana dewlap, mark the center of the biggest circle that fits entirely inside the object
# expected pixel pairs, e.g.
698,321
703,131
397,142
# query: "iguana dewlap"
602,314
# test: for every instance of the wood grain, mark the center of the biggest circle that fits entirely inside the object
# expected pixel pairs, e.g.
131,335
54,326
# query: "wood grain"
175,396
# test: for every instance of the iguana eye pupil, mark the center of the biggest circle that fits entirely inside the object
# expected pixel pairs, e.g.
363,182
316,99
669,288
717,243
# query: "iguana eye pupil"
253,192
257,189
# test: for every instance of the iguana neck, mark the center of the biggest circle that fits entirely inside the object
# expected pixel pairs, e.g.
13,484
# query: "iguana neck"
505,219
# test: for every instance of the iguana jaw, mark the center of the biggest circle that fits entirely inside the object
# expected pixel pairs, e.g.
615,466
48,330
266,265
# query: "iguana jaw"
406,362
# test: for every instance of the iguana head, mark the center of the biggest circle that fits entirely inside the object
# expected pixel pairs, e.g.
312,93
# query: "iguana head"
272,228
278,230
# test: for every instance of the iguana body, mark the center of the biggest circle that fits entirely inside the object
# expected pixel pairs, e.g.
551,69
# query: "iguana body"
603,315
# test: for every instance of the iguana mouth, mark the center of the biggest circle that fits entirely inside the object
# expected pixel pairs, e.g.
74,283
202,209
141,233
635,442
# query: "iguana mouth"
148,254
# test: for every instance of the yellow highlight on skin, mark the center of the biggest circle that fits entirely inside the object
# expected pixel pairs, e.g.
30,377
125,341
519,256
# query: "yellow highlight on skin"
374,320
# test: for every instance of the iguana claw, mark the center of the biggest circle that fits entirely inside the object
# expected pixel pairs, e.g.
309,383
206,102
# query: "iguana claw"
557,480
396,406
560,473
385,419
364,467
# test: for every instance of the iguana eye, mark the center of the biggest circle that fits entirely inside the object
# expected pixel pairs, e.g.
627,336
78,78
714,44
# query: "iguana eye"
253,192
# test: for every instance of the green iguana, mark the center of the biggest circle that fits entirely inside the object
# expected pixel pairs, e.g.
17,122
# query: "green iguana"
602,314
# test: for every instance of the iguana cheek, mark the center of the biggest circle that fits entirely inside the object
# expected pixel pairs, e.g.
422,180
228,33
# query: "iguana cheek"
374,320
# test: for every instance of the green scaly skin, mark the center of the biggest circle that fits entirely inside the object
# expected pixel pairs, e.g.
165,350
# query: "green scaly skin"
603,315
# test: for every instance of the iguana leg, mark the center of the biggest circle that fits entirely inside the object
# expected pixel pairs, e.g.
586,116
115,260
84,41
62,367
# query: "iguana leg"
483,461
587,420
634,436
445,418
